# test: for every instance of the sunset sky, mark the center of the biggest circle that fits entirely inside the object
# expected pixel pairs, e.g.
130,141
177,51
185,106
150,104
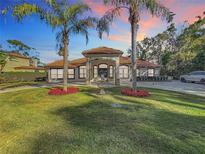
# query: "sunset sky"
37,34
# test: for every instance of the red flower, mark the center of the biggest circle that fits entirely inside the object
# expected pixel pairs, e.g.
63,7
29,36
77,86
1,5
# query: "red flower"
60,91
134,92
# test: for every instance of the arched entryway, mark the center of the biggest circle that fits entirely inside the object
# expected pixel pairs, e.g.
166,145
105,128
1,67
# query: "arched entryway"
103,71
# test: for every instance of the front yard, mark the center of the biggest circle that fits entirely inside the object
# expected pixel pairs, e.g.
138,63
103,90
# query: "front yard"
167,122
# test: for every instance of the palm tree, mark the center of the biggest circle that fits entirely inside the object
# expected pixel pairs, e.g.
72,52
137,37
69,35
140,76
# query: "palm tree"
66,18
134,8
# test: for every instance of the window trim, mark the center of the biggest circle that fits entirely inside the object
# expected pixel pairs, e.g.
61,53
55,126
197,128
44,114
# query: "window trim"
148,73
79,72
123,72
103,64
51,73
71,74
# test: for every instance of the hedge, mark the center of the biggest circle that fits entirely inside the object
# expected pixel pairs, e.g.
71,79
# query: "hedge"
20,76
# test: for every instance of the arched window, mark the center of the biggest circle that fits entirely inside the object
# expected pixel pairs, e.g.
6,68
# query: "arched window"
124,72
103,66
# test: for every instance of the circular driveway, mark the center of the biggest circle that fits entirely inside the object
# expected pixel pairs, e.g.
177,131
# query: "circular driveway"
190,88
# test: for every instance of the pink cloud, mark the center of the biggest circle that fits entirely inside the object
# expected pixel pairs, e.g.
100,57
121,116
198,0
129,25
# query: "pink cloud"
97,7
125,37
184,10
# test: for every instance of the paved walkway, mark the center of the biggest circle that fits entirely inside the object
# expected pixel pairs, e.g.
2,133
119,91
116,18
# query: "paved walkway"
20,88
190,88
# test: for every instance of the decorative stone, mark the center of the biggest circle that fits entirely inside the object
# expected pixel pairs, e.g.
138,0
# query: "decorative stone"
102,92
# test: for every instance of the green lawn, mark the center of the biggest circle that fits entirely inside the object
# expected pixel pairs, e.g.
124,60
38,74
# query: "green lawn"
85,123
4,86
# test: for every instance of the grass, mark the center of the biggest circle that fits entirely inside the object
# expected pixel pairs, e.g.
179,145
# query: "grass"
167,122
4,86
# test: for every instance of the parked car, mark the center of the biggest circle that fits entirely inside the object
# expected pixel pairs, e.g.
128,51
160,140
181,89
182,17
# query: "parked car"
196,76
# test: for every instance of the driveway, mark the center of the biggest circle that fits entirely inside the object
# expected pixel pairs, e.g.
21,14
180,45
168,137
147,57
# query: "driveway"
190,88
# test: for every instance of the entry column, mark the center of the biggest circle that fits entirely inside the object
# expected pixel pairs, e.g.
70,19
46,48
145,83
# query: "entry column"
88,68
117,76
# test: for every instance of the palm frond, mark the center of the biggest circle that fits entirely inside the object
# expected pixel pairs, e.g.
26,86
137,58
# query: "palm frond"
74,10
104,23
158,9
82,26
51,19
25,9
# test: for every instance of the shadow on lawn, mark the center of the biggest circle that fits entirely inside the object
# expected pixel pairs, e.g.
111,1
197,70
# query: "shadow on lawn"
97,127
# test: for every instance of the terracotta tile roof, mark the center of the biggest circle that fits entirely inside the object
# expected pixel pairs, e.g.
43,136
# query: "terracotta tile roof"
102,50
125,60
82,61
140,63
19,55
29,68
72,64
78,62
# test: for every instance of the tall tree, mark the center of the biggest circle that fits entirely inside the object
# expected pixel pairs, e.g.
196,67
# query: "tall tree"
4,57
66,17
190,49
160,45
20,47
134,7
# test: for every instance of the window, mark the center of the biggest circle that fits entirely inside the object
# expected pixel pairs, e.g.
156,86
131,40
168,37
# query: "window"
123,72
82,72
60,73
95,71
54,73
198,73
111,71
143,72
30,62
157,72
138,73
71,73
150,72
103,66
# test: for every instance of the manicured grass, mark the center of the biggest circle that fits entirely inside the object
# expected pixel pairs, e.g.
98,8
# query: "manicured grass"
167,122
4,86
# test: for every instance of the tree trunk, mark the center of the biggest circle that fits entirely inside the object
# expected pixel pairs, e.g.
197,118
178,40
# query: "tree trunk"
134,26
65,59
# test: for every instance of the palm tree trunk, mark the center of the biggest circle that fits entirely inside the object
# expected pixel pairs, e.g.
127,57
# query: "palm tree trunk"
134,54
65,59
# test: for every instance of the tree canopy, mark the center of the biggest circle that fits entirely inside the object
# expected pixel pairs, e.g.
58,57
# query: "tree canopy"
19,46
66,17
177,53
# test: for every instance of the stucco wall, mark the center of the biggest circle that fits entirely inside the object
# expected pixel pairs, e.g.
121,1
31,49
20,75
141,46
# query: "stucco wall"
15,62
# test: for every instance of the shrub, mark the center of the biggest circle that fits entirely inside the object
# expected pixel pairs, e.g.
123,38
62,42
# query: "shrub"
60,91
134,92
21,76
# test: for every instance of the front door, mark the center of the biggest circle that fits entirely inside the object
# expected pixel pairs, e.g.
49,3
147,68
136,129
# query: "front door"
103,72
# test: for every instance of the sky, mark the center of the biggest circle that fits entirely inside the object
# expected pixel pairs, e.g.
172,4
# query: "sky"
40,36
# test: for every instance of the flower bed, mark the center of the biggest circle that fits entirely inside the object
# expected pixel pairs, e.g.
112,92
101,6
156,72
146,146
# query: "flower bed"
134,92
60,91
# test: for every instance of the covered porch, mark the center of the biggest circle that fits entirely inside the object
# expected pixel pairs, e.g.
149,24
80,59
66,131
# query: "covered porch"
102,65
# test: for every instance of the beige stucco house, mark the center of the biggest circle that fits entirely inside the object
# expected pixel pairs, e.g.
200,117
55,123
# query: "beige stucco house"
17,62
101,63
